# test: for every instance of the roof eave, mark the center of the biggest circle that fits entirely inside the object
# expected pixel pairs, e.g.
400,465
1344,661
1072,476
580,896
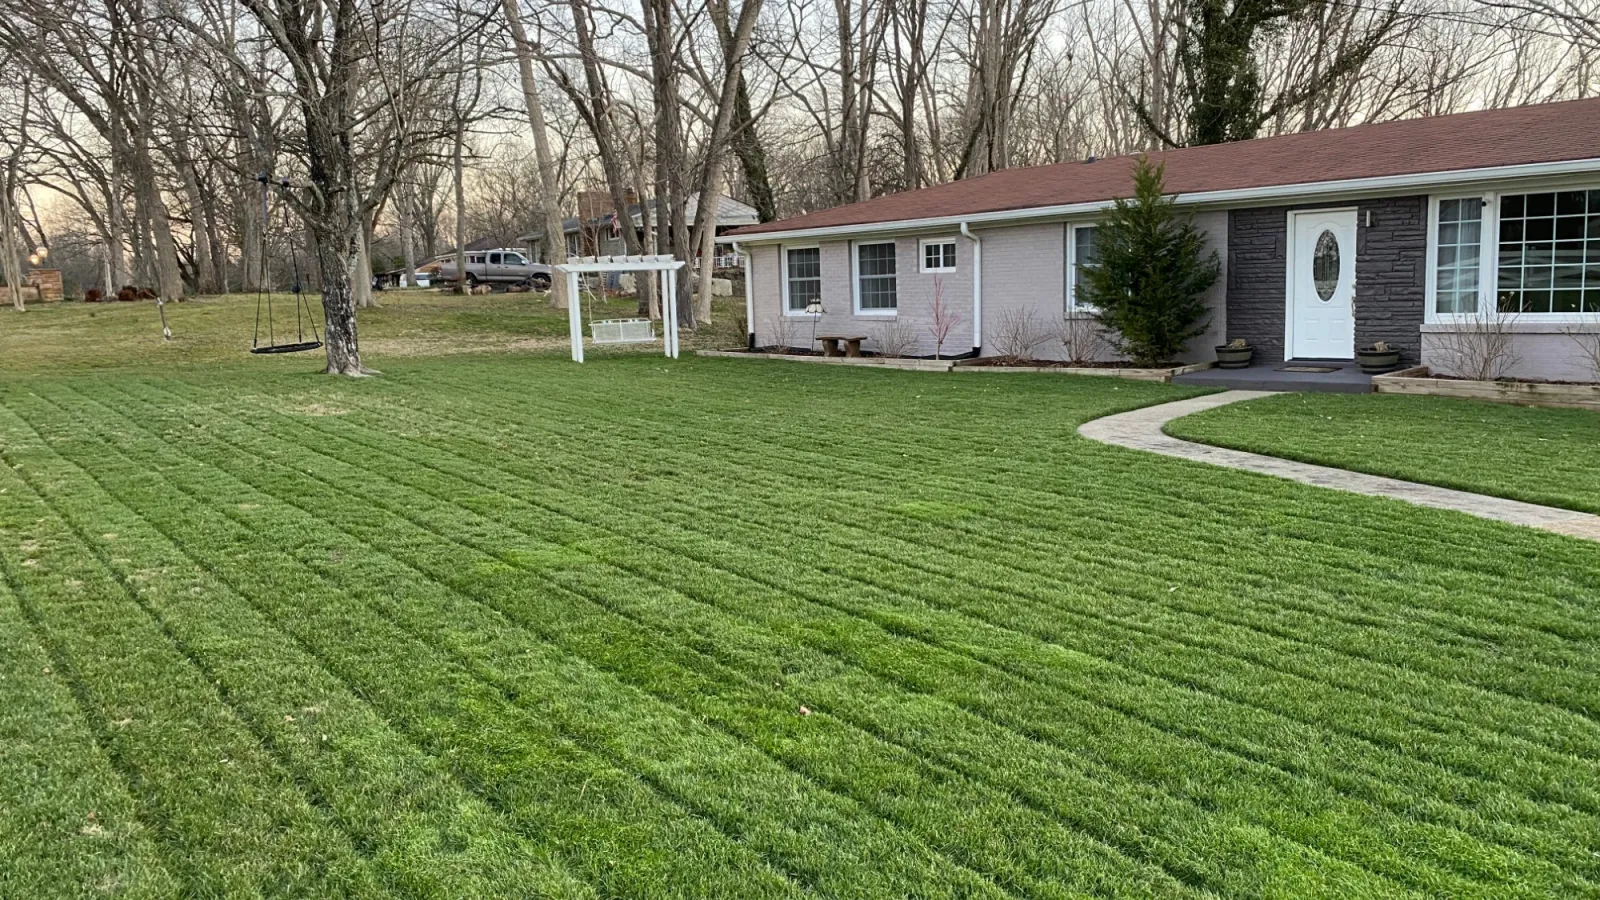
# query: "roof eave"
1257,196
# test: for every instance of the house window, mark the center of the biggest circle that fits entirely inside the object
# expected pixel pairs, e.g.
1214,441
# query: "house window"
1457,259
939,256
802,277
1549,252
875,278
1084,255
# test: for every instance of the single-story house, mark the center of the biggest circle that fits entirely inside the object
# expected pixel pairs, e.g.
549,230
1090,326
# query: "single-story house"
595,232
1402,232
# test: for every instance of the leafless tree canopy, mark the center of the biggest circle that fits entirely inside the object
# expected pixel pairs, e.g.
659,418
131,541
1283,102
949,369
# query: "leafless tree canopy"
133,132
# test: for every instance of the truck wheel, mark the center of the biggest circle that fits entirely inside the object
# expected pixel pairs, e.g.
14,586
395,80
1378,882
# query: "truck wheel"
540,281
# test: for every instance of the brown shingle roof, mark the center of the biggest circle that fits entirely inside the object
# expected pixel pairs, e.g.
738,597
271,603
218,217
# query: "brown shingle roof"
1549,132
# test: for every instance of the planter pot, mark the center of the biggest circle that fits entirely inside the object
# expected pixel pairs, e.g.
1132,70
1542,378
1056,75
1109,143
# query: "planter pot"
1233,358
1376,362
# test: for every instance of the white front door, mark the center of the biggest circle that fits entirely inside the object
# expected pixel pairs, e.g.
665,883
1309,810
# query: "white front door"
1322,284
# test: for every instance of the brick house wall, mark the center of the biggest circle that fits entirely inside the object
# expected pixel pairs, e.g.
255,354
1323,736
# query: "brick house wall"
914,295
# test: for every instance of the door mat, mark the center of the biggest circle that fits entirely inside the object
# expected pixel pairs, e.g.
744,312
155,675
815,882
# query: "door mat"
1311,370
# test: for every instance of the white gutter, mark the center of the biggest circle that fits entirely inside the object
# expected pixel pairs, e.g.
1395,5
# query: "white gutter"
749,298
1237,197
977,287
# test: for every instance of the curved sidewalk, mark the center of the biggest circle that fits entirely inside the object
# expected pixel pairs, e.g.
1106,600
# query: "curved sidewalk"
1141,430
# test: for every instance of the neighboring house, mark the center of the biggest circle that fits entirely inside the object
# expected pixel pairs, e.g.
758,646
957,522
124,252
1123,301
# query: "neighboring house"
1399,232
594,231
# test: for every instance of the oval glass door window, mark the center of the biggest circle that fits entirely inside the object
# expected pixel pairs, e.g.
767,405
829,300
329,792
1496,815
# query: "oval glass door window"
1325,266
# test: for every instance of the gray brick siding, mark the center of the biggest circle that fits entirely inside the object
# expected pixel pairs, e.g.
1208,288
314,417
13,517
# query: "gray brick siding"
1391,274
1391,268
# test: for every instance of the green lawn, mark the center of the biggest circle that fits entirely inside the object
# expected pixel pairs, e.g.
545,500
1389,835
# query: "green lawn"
501,625
1543,456
52,337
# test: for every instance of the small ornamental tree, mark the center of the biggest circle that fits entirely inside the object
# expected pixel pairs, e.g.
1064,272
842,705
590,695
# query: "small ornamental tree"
1153,272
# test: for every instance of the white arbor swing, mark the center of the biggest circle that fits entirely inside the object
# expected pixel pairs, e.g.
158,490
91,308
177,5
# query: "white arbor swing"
628,330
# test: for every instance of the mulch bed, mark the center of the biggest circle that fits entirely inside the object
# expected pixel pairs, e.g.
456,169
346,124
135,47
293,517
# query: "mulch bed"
1018,362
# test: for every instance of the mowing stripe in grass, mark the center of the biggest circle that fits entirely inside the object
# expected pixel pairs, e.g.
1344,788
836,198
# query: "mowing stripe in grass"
964,489
1516,623
972,806
907,442
708,567
68,826
1564,761
1584,724
500,748
232,821
661,736
389,532
428,836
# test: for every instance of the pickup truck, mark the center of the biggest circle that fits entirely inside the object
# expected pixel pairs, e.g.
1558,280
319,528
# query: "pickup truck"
504,266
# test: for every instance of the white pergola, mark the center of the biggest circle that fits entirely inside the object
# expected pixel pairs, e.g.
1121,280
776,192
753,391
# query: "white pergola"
582,265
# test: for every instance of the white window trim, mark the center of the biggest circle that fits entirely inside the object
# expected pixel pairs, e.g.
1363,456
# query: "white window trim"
1075,308
855,279
783,278
1489,261
922,255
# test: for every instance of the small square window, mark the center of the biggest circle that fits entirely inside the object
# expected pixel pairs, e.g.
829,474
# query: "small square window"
939,256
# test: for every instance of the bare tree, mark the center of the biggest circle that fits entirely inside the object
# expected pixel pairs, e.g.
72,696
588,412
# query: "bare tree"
360,125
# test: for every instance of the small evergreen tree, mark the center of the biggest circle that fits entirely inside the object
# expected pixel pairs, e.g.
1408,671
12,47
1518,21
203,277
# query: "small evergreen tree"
1153,273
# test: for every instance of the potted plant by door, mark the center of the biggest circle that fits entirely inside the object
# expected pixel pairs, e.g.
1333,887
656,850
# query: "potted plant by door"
1378,358
1235,354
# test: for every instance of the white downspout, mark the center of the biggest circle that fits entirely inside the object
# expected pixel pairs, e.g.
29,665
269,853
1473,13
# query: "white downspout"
749,299
977,288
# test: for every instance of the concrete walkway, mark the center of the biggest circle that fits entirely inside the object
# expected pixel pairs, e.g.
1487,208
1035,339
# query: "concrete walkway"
1141,430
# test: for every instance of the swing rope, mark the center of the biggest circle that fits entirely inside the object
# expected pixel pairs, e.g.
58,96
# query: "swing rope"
302,307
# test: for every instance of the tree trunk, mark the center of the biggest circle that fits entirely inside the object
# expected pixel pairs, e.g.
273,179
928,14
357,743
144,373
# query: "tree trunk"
408,246
338,306
599,104
710,187
157,220
555,238
361,274
117,228
746,142
204,272
669,142
12,261
251,209
459,176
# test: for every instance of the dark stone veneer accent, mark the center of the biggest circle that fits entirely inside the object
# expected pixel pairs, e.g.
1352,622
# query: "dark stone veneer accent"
1391,273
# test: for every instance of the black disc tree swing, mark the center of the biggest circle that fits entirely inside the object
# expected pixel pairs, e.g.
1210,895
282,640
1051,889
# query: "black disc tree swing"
303,315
